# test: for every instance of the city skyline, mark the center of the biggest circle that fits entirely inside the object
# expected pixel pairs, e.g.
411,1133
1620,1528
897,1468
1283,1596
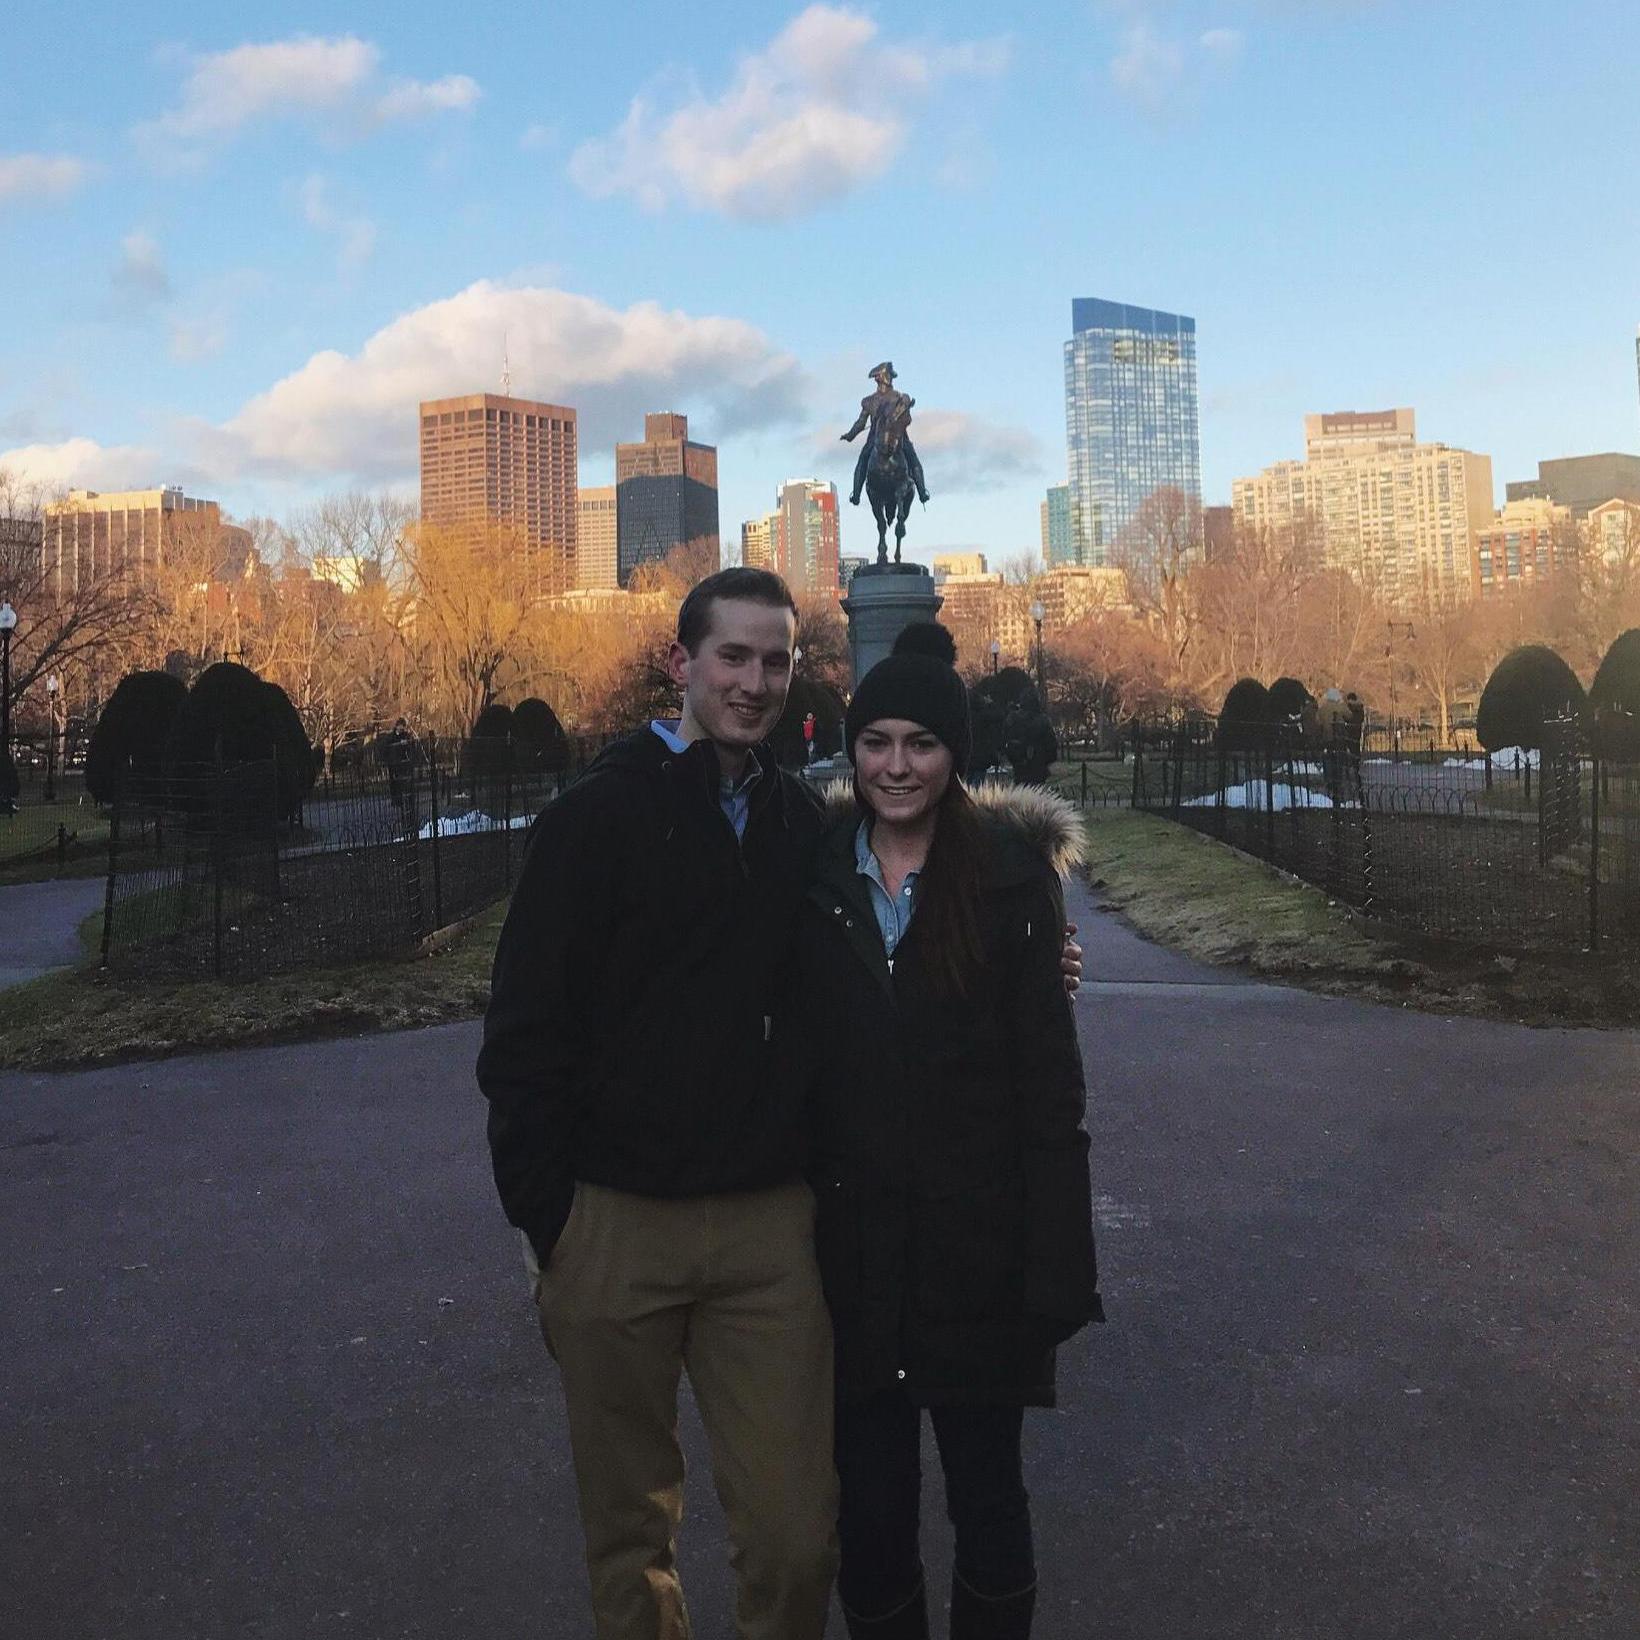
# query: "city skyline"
231,282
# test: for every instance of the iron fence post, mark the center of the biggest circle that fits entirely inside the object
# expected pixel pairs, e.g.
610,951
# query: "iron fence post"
1594,841
506,821
438,875
113,865
1269,799
1084,785
216,864
1138,760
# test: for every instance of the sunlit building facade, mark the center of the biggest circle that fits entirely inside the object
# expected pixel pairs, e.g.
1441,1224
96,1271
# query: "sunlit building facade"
1403,517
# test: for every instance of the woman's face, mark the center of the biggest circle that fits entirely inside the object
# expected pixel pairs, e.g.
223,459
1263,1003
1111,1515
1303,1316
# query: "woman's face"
901,769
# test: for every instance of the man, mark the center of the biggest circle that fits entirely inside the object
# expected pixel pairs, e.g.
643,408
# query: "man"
649,1145
645,1146
884,408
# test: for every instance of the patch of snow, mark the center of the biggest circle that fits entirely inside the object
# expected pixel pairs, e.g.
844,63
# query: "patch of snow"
1509,760
476,820
1251,795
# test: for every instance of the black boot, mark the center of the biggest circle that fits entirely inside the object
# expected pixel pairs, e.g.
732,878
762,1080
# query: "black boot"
976,1616
906,1622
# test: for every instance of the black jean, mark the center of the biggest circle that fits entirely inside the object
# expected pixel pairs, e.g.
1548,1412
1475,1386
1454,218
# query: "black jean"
880,1471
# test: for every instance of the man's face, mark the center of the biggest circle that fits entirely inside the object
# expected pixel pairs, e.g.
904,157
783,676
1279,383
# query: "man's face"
883,380
734,685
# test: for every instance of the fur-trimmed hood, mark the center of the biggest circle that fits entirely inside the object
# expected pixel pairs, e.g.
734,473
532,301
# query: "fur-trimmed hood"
1048,824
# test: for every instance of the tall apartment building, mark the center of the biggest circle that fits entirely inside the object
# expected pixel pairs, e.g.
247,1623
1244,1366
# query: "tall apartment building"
666,491
95,534
807,542
1131,420
1059,537
491,460
1581,482
1403,516
1527,542
595,563
757,541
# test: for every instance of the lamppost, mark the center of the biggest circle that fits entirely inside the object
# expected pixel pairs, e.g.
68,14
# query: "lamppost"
8,625
54,686
996,651
1389,660
1037,612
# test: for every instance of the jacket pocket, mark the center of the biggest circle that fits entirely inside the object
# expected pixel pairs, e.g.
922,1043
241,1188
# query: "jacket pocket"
969,1251
839,1245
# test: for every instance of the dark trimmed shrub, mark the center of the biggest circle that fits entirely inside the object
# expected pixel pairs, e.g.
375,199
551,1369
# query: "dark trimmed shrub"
1614,698
537,731
786,738
10,785
1289,699
1527,686
232,718
1244,718
295,751
128,745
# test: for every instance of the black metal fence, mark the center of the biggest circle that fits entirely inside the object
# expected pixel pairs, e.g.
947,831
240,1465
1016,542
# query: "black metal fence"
49,824
1536,850
207,879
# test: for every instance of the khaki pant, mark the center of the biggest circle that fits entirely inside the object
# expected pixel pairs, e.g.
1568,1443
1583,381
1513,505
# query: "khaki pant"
640,1289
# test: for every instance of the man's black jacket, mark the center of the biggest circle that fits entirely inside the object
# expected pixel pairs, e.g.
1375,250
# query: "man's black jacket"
627,1040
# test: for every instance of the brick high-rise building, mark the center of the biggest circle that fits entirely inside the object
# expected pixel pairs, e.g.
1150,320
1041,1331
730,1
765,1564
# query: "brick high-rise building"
488,459
666,495
1403,516
1528,541
596,562
807,544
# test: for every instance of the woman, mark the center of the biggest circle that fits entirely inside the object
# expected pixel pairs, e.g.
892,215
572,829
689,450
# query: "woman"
954,1222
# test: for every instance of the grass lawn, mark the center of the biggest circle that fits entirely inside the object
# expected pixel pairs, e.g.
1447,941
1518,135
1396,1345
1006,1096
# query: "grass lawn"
84,1018
1185,890
28,840
1174,885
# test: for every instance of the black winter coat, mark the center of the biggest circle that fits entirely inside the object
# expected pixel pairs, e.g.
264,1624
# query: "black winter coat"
954,1225
627,1040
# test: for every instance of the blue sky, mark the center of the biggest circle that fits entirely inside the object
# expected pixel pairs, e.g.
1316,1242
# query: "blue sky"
237,254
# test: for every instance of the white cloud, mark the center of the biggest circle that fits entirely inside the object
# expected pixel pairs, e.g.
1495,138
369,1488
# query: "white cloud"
409,100
140,275
40,176
201,337
334,81
355,415
534,138
962,452
821,110
355,235
1163,73
82,463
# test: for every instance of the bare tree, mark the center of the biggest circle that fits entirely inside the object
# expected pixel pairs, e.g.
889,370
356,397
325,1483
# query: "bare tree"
1159,551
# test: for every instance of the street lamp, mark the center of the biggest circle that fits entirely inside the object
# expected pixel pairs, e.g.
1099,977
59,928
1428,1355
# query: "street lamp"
8,625
1037,612
54,685
996,650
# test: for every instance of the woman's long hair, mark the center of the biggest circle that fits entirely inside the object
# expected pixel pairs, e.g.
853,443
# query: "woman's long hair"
948,890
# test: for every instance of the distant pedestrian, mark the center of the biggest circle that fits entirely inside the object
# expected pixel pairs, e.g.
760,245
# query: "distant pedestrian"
808,737
1029,740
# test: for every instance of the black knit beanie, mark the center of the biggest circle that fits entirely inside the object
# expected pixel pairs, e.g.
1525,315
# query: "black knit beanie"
919,689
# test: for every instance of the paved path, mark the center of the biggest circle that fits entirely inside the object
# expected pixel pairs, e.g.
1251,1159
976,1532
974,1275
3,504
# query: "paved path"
270,1368
40,923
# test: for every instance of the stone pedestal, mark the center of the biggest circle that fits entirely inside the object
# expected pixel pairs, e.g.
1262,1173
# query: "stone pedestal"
883,600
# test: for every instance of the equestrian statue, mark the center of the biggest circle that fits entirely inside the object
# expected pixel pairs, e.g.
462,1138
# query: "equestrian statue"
888,469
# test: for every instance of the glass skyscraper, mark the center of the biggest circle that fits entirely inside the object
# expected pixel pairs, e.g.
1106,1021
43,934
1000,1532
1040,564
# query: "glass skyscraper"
1131,425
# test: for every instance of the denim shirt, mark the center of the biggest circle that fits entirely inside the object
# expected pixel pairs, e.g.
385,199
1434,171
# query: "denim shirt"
735,800
893,914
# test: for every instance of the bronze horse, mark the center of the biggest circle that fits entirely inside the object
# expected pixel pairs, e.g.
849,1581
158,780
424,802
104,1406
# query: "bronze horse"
888,481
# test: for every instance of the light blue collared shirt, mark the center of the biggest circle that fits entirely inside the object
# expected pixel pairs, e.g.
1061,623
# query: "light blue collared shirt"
735,799
893,911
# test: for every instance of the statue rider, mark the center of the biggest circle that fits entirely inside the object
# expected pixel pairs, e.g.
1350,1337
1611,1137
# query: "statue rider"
884,408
